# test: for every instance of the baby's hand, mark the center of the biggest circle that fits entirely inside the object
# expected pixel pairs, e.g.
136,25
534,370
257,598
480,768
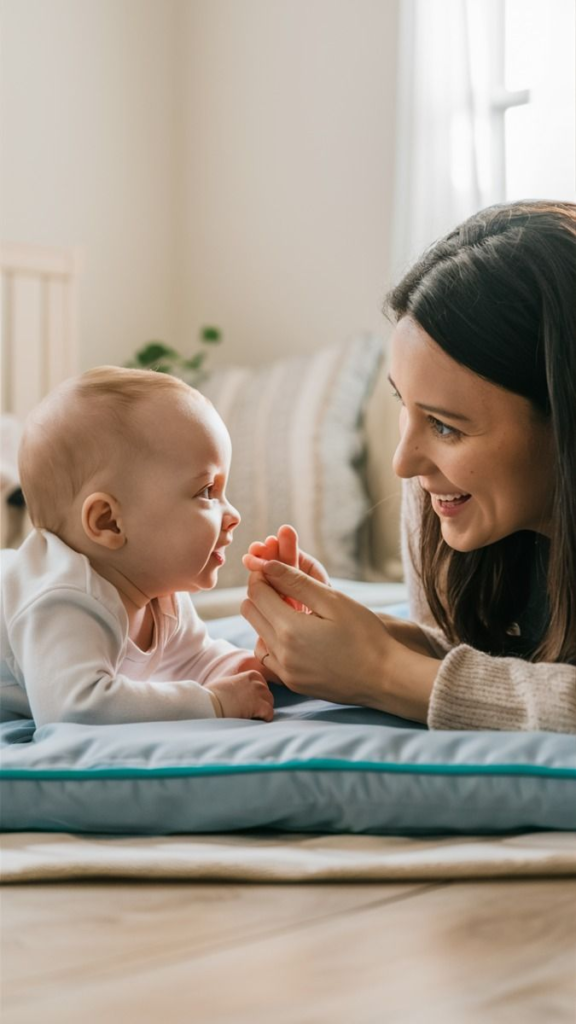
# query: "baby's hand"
245,695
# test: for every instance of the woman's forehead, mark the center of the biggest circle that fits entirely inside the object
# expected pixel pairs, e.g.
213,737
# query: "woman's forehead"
424,373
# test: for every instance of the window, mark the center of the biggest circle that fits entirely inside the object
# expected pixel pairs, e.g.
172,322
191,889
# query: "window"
540,134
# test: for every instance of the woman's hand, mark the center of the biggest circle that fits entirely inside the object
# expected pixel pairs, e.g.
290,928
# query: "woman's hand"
341,652
284,547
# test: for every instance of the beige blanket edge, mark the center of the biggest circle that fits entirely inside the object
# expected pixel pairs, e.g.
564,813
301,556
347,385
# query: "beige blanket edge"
283,857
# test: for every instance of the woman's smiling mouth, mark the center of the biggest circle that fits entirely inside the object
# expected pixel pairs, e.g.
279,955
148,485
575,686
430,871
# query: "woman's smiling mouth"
449,504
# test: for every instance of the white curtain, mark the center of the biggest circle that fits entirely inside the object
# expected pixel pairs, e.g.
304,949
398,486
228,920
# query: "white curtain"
448,52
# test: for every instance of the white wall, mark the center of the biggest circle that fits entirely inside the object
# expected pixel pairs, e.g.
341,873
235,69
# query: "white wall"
219,161
288,170
89,109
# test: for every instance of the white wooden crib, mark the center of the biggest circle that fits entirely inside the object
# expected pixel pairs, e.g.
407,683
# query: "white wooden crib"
38,329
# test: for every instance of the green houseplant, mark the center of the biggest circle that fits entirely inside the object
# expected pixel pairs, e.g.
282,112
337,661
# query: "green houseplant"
156,355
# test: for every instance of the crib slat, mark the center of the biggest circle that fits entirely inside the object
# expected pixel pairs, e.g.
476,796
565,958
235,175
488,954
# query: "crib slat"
26,381
39,335
58,332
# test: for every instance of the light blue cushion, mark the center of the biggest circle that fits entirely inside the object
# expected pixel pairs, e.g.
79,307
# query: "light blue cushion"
318,767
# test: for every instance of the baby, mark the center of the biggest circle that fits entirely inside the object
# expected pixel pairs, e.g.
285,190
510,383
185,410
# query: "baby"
124,474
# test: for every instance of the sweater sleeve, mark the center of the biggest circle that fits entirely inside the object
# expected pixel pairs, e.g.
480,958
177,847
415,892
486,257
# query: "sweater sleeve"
473,690
69,647
477,691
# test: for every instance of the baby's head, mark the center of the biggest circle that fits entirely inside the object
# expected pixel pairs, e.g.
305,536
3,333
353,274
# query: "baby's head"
130,468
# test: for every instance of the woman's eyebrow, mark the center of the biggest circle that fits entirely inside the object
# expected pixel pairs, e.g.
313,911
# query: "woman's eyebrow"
435,408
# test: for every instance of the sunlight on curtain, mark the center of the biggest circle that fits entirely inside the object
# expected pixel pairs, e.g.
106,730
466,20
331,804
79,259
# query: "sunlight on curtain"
444,169
541,136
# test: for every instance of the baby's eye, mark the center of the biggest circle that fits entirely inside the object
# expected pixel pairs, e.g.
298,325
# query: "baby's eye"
206,492
396,395
443,430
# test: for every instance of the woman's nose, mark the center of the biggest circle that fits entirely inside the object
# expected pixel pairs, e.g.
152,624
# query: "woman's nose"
410,458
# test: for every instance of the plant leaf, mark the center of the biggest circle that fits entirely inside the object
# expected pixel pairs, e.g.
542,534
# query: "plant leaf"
211,335
195,362
153,351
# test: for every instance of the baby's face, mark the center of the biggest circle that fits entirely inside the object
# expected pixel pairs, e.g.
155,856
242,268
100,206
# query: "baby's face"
177,519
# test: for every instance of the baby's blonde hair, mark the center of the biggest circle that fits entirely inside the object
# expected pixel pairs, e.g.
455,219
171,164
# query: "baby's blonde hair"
76,431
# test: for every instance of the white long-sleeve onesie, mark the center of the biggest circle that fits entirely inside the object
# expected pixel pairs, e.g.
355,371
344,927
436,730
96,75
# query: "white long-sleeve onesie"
66,654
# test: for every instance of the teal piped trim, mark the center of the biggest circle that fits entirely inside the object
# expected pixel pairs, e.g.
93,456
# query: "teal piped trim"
314,765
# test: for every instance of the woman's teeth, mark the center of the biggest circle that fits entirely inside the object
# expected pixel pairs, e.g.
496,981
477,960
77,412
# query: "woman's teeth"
451,497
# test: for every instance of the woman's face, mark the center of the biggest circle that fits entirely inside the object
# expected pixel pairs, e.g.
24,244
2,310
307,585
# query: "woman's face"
483,454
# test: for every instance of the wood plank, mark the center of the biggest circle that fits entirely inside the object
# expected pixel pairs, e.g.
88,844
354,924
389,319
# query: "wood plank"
79,933
466,953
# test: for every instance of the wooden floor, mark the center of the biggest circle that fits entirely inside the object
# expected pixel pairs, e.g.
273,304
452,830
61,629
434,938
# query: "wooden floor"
164,953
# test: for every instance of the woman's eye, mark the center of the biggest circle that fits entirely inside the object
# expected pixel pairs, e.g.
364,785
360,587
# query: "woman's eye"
396,395
442,430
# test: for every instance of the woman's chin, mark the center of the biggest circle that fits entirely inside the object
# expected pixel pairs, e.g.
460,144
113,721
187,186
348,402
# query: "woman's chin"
471,541
457,542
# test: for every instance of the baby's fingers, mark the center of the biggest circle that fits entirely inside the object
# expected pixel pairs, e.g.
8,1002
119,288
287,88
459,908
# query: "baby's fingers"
267,550
264,709
288,545
257,548
271,549
264,713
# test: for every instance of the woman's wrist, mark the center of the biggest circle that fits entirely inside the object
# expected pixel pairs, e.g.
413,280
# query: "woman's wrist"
408,633
403,679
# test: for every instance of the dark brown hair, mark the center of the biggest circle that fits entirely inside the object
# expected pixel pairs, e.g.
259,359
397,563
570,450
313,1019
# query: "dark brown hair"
498,294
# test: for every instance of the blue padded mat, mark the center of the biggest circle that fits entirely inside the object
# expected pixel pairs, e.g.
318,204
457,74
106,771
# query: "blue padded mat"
317,767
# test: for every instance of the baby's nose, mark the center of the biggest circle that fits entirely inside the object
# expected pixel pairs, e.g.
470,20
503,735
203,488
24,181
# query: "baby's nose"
232,518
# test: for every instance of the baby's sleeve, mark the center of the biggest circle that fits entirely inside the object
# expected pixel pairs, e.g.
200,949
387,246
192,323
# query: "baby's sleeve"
68,646
192,653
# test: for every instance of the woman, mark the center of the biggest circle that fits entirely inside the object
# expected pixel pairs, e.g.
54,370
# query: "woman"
483,363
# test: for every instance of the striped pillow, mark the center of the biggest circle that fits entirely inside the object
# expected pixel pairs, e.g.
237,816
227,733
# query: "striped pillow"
298,451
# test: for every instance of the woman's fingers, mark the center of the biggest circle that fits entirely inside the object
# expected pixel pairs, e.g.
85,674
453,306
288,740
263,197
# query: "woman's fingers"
270,666
253,562
292,583
257,618
313,568
288,553
260,650
270,604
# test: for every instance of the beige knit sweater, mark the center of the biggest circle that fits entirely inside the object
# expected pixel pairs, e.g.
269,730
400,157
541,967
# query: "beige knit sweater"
474,690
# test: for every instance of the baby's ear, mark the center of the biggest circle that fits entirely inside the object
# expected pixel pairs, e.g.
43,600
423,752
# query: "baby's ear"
101,521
